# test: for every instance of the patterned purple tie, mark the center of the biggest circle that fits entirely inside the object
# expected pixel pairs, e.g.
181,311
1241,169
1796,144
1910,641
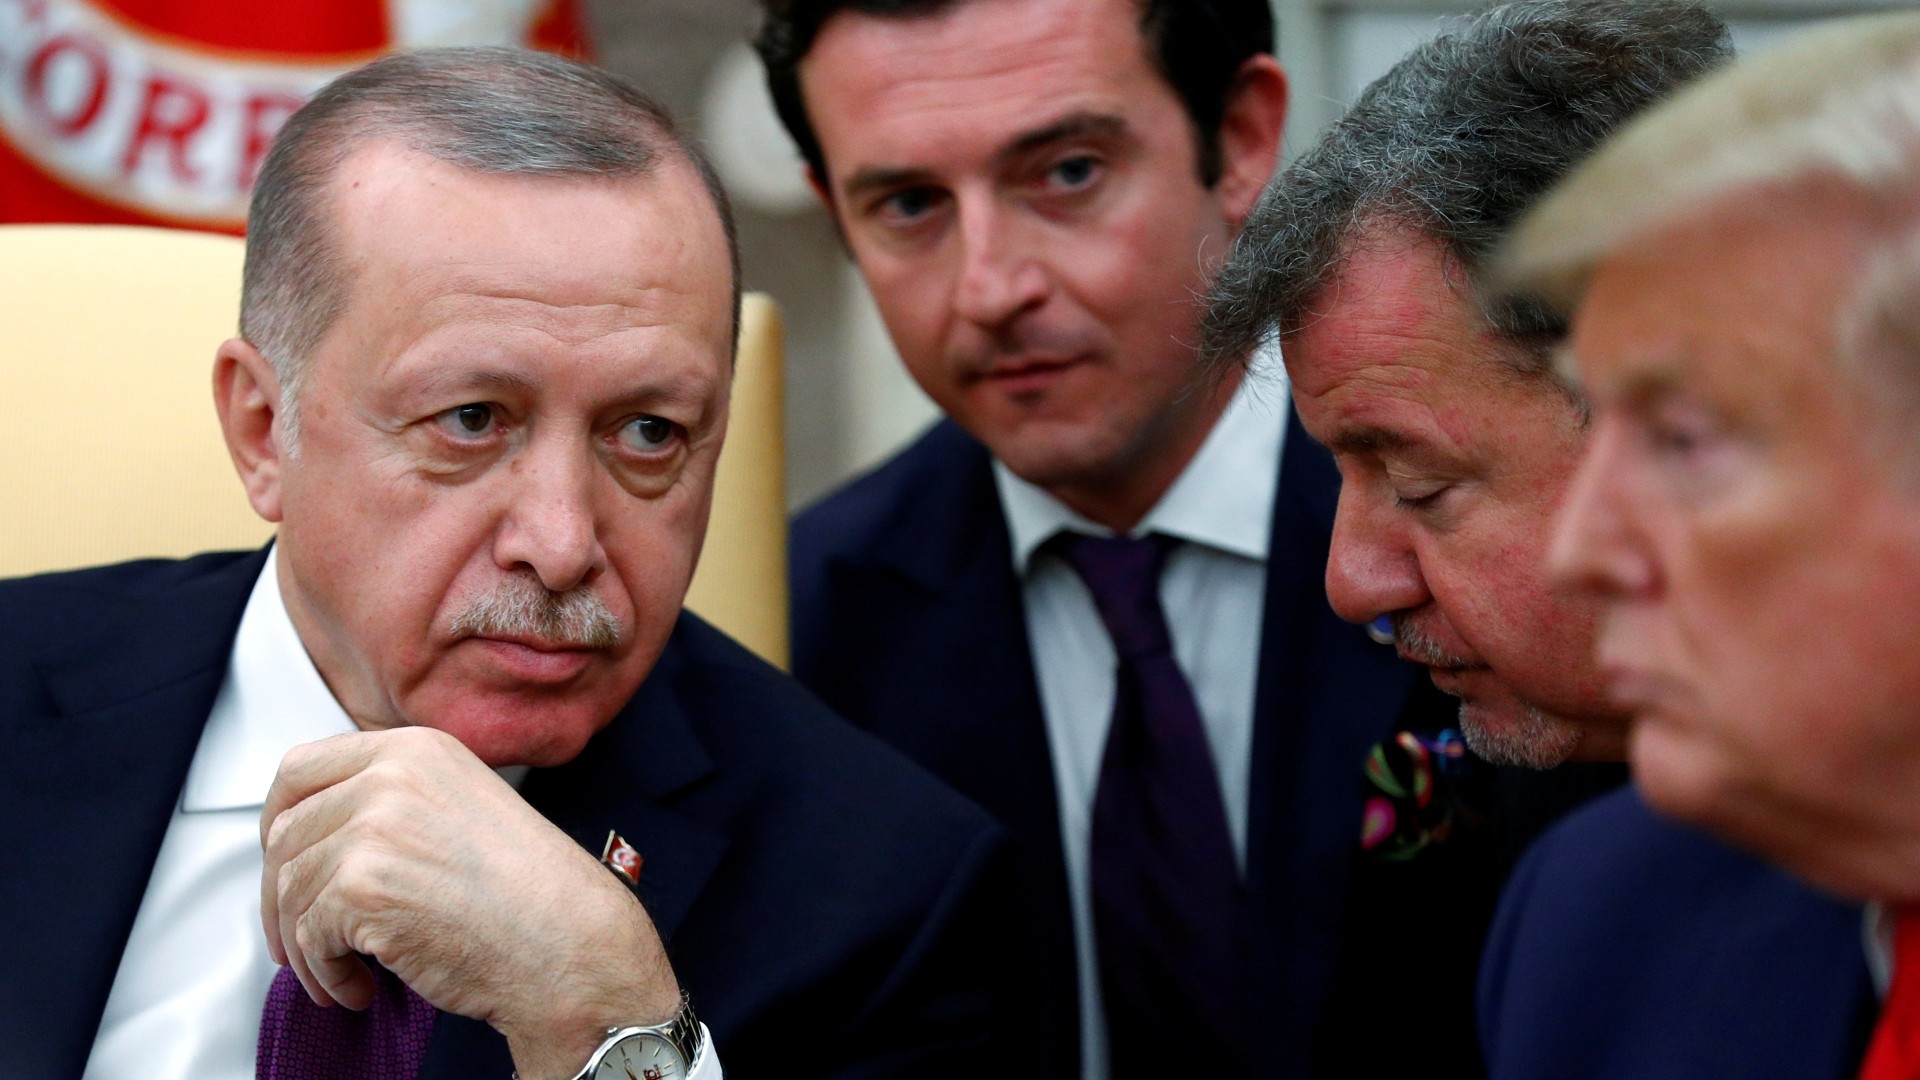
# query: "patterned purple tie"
1168,904
303,1041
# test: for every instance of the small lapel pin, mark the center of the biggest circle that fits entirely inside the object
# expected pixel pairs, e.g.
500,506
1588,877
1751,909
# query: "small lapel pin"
621,858
1381,630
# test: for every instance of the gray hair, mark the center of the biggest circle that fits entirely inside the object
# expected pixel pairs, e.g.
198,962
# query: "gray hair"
1453,144
491,110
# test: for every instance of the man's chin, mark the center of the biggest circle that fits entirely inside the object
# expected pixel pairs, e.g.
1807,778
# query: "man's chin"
1518,735
538,730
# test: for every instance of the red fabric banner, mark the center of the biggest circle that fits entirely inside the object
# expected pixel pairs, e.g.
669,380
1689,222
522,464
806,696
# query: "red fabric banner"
159,111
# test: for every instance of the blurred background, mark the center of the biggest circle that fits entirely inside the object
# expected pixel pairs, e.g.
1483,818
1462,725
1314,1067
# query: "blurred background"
99,97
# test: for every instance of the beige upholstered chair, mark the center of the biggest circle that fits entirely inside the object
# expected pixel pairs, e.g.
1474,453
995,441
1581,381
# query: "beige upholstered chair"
111,450
106,365
741,585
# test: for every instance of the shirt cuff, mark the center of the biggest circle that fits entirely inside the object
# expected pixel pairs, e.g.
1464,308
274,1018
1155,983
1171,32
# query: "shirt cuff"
706,1064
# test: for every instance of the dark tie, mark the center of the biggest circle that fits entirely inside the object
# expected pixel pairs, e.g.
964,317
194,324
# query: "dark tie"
1167,898
303,1041
1894,1053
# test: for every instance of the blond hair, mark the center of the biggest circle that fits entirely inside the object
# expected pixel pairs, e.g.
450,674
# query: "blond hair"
1843,102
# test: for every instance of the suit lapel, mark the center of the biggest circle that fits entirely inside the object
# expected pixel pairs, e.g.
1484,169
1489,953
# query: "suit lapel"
1327,692
95,781
627,781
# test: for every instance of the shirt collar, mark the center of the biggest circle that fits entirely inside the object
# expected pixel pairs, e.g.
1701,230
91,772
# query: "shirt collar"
273,700
1223,499
1877,935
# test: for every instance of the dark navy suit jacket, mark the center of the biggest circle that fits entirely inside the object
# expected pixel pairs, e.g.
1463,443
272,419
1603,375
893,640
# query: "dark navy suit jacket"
1630,947
823,900
908,619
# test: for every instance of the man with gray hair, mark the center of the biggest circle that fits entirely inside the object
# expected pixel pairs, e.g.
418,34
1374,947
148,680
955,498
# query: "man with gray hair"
1745,266
1453,437
449,741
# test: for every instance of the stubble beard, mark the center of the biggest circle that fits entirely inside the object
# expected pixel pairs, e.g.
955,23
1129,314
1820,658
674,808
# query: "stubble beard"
1531,740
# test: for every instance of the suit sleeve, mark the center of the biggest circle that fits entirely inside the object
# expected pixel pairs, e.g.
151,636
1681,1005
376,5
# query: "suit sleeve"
938,1012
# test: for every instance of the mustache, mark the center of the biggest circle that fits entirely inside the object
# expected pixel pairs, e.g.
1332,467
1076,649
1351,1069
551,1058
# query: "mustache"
520,607
1416,646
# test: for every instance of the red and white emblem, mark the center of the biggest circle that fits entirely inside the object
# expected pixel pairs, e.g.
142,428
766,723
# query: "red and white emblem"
132,110
621,858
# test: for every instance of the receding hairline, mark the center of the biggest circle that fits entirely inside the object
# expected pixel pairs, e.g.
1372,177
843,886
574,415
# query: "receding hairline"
488,110
671,167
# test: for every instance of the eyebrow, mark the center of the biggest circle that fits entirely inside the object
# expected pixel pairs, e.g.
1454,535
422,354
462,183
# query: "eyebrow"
1075,125
1369,440
444,381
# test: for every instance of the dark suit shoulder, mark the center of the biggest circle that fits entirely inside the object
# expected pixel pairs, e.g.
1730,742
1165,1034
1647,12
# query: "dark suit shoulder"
861,512
852,927
1629,945
746,710
76,594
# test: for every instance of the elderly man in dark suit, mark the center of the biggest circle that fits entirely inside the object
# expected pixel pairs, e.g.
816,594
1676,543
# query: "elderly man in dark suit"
1744,272
481,385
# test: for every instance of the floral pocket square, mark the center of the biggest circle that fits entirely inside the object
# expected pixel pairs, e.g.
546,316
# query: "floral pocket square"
1417,794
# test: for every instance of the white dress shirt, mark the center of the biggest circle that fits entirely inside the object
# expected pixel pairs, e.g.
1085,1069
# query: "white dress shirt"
1213,590
1876,935
186,1000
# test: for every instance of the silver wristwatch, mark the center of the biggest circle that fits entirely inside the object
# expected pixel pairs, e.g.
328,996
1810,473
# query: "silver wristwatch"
657,1052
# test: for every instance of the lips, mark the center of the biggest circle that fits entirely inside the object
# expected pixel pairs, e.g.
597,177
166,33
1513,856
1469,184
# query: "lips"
1451,680
533,660
1027,375
1636,690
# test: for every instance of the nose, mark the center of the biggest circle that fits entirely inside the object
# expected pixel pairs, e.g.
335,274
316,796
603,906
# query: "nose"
1372,568
1593,547
551,527
1001,272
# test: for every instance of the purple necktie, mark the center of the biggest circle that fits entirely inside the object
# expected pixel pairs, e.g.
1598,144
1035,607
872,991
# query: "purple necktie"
1168,905
303,1041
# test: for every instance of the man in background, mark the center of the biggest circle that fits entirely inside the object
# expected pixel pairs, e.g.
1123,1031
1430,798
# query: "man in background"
1092,598
1744,270
487,331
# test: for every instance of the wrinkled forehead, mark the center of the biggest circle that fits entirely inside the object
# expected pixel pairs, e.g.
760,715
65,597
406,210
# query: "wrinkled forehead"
417,234
1745,297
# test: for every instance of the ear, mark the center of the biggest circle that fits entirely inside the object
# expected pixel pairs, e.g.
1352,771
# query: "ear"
1250,128
246,394
822,192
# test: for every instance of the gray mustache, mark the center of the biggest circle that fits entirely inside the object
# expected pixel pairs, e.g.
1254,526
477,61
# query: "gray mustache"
520,607
1418,647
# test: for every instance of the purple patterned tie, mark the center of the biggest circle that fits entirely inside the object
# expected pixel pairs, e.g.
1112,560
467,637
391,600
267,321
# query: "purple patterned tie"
303,1041
1168,905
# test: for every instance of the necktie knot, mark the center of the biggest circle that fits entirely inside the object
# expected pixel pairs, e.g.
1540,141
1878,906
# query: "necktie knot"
1123,574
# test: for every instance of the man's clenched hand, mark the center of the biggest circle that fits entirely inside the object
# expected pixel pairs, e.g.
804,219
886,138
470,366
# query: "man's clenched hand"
403,846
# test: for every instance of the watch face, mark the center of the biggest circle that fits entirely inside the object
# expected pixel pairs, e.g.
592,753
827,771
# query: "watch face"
642,1056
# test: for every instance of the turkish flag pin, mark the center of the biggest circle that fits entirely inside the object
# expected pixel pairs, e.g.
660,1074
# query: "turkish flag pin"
621,858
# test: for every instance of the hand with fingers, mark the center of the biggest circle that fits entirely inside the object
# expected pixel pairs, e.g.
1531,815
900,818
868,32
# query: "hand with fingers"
402,846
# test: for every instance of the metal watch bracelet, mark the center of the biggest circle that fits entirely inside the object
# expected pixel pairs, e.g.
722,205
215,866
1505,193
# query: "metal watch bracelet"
682,1030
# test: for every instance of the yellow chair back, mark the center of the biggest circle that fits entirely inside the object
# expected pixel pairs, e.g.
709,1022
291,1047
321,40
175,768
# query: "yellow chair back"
113,451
